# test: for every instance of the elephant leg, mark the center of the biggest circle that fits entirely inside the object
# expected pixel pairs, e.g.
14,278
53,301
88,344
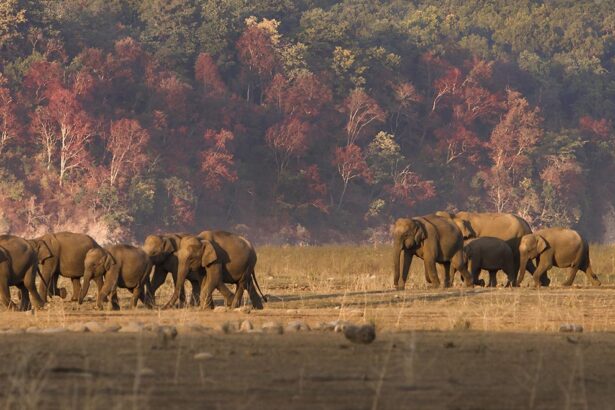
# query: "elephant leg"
160,275
115,304
207,291
226,293
76,289
541,270
5,295
446,280
25,298
430,270
182,292
144,297
572,273
238,295
593,278
136,295
99,285
493,278
29,282
195,299
103,294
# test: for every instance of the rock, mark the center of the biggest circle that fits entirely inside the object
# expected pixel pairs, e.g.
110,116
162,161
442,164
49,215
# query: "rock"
77,327
146,371
340,325
97,327
219,309
196,328
297,326
243,309
12,331
292,311
52,330
360,334
246,326
203,356
272,327
32,329
132,327
227,327
167,332
571,328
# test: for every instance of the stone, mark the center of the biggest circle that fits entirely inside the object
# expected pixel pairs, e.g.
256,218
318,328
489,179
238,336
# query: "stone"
77,327
246,326
97,327
132,327
272,327
360,334
297,326
219,309
203,356
167,332
571,328
52,330
227,327
243,309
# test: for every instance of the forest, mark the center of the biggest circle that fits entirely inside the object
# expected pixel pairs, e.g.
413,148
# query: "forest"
303,121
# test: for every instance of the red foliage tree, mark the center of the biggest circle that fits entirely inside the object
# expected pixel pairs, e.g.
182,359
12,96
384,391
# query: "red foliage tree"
305,96
10,127
126,145
217,162
361,110
287,139
350,164
206,73
257,54
409,188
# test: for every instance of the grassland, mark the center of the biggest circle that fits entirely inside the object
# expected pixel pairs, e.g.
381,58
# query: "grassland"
455,349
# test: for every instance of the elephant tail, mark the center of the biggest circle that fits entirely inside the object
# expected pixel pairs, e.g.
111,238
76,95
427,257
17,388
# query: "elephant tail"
40,275
258,287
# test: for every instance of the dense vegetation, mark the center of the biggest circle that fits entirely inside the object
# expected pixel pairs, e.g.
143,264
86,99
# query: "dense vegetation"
303,120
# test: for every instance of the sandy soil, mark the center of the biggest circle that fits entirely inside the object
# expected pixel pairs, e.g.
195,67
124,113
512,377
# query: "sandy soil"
453,349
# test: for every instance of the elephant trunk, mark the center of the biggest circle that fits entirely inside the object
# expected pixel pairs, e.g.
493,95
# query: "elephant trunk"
523,261
86,286
398,251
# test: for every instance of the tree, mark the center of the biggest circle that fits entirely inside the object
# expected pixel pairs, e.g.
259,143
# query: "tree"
207,75
217,162
350,165
10,128
126,145
287,139
12,16
361,110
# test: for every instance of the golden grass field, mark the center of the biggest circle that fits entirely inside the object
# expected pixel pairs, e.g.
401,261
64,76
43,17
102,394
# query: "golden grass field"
457,348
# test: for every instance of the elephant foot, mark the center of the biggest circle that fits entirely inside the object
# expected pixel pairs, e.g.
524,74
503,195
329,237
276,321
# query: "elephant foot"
12,306
115,307
567,283
63,293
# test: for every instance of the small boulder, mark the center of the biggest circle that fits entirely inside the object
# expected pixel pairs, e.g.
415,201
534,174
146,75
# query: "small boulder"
571,328
219,309
360,334
297,326
272,327
227,327
243,309
246,326
203,356
77,327
132,327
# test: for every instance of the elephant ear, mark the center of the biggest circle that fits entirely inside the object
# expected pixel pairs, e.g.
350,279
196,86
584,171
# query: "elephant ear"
541,244
209,254
168,246
466,229
420,234
109,261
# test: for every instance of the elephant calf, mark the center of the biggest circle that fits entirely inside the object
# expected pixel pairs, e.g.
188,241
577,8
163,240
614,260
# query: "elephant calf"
123,266
490,254
560,247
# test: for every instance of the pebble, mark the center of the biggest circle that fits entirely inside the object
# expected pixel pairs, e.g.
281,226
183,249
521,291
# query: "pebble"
132,327
292,311
243,309
246,326
218,309
146,371
571,328
272,327
167,332
203,356
297,326
360,334
339,325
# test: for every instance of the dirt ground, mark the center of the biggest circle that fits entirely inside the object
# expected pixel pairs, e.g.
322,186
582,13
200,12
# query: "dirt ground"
454,349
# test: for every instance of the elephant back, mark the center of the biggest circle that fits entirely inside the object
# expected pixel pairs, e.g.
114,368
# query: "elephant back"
20,253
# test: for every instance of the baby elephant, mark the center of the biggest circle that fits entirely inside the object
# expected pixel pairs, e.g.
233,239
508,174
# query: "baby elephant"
123,266
560,247
490,254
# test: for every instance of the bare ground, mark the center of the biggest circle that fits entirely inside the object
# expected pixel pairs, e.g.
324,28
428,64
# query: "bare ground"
454,349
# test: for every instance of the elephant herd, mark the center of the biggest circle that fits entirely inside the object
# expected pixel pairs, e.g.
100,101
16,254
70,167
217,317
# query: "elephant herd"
471,242
465,242
209,261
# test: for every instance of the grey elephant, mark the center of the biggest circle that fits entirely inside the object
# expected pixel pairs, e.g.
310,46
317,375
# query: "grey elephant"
507,227
560,247
63,254
18,267
162,250
220,257
123,266
491,254
434,239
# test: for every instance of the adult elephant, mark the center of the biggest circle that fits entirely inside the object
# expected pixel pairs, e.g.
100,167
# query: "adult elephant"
18,267
162,250
62,253
434,239
561,247
220,257
508,227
